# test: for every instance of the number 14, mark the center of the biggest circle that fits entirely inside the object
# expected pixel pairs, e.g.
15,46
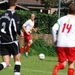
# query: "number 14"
66,26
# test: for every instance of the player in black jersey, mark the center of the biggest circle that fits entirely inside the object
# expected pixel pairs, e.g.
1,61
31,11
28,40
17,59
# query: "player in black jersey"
9,28
0,39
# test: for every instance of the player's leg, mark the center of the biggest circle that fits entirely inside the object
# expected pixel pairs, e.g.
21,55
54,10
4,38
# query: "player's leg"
28,47
71,68
71,59
5,57
23,46
28,41
62,60
16,53
17,64
5,63
22,49
58,67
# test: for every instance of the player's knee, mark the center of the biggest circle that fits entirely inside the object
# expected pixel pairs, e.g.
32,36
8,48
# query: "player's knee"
64,63
30,42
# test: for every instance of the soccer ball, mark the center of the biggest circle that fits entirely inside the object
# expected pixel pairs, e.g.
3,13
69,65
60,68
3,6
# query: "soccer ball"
41,56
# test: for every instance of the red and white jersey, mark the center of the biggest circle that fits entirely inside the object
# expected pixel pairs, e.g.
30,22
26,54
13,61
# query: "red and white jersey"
66,31
29,24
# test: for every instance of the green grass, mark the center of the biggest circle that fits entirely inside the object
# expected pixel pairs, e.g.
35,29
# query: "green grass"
34,66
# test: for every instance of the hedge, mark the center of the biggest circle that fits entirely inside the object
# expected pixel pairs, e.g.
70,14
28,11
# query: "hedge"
43,22
40,46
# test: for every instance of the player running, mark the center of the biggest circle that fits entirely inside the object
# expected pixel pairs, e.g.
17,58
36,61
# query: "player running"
28,26
65,41
9,27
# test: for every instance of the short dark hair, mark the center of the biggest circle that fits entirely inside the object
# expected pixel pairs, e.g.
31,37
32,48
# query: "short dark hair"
72,8
12,2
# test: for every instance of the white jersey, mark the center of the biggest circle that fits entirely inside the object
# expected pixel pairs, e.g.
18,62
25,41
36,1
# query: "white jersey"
29,24
66,31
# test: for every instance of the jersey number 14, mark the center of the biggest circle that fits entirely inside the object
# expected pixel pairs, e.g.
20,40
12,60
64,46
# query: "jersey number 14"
66,27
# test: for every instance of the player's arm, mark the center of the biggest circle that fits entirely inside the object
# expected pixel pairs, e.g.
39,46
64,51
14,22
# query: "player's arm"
34,29
18,25
24,28
19,31
54,32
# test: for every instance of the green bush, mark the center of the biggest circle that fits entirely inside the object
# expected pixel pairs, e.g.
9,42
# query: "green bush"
43,22
40,46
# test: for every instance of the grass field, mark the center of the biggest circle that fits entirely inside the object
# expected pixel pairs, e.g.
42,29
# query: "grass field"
34,66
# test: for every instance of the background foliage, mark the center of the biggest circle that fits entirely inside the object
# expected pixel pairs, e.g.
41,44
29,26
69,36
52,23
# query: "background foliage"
40,46
43,22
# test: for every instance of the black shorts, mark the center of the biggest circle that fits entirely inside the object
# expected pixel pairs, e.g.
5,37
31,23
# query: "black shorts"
8,49
0,47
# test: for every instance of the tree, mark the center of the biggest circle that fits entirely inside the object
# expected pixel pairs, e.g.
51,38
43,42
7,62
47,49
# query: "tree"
49,3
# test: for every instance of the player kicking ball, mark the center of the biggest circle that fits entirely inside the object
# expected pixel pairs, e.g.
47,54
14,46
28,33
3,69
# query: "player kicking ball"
65,42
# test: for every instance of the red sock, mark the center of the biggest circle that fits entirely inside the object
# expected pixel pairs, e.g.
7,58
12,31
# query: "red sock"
27,48
70,71
57,68
21,50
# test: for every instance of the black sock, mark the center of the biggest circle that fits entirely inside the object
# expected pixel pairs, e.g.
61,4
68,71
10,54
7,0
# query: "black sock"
17,68
1,66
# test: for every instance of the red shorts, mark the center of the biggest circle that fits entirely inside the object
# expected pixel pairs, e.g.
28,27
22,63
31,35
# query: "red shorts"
27,37
65,53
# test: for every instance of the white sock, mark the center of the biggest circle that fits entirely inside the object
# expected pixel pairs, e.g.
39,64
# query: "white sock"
16,73
4,64
26,53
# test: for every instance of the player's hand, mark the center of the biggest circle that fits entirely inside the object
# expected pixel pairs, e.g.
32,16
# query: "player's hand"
55,42
21,33
27,32
35,30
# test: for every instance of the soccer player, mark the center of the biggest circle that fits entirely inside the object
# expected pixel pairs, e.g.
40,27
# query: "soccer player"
28,26
9,28
0,40
0,44
65,41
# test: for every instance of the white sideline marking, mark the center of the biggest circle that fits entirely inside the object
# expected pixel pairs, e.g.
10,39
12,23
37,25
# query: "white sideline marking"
40,71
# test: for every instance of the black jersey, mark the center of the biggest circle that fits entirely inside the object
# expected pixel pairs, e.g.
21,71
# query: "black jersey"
9,26
0,34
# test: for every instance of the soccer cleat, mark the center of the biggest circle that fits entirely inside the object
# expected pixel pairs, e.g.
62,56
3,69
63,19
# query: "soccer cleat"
26,54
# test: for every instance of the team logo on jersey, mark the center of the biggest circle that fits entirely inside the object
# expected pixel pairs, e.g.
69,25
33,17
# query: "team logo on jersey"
6,16
68,20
